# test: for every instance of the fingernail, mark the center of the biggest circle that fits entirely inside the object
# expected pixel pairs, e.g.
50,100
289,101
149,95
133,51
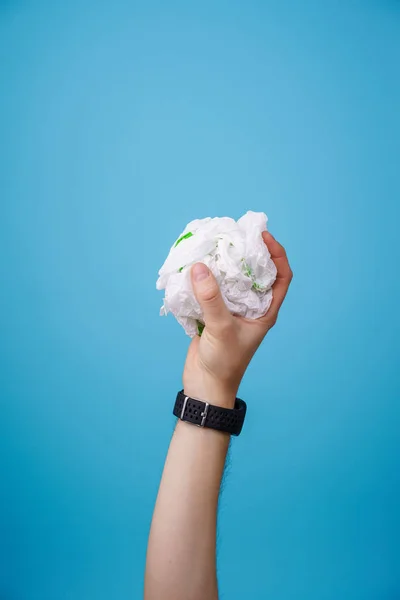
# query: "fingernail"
200,272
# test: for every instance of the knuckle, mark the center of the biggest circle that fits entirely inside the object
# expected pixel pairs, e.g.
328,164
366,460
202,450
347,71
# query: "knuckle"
271,321
210,294
282,251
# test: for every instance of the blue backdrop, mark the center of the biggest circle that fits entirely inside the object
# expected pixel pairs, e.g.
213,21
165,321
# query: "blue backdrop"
120,122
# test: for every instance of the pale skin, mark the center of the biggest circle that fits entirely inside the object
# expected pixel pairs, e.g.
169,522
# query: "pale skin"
181,554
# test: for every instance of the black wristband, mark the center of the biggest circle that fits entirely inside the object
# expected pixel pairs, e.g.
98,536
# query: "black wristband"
204,414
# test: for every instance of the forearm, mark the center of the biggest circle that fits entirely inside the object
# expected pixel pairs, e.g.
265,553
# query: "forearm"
181,551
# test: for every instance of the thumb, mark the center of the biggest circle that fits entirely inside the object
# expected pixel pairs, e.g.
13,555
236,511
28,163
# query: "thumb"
206,289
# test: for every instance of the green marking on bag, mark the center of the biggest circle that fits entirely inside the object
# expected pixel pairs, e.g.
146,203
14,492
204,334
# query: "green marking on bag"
247,270
183,237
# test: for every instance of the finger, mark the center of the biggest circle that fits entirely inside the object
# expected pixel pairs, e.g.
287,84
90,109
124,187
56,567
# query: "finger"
279,291
283,277
278,255
215,312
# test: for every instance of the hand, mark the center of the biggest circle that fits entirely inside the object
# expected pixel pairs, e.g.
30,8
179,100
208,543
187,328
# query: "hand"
217,361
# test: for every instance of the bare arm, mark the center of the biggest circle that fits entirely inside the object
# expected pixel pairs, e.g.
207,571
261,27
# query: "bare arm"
182,543
181,552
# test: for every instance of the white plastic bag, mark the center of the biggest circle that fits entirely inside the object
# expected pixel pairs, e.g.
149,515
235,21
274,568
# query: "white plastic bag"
237,256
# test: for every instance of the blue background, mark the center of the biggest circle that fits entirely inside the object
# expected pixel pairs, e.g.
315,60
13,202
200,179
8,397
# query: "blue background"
120,122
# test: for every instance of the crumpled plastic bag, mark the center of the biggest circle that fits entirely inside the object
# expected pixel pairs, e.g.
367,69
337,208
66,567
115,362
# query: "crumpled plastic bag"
237,256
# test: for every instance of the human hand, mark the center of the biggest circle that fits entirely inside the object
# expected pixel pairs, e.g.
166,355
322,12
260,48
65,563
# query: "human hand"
217,361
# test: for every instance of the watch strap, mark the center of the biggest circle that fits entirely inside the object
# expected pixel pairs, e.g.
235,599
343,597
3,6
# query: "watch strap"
203,414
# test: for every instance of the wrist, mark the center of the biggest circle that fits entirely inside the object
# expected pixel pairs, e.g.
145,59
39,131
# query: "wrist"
211,391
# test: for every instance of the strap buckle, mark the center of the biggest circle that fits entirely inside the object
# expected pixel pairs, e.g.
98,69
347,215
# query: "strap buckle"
202,414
